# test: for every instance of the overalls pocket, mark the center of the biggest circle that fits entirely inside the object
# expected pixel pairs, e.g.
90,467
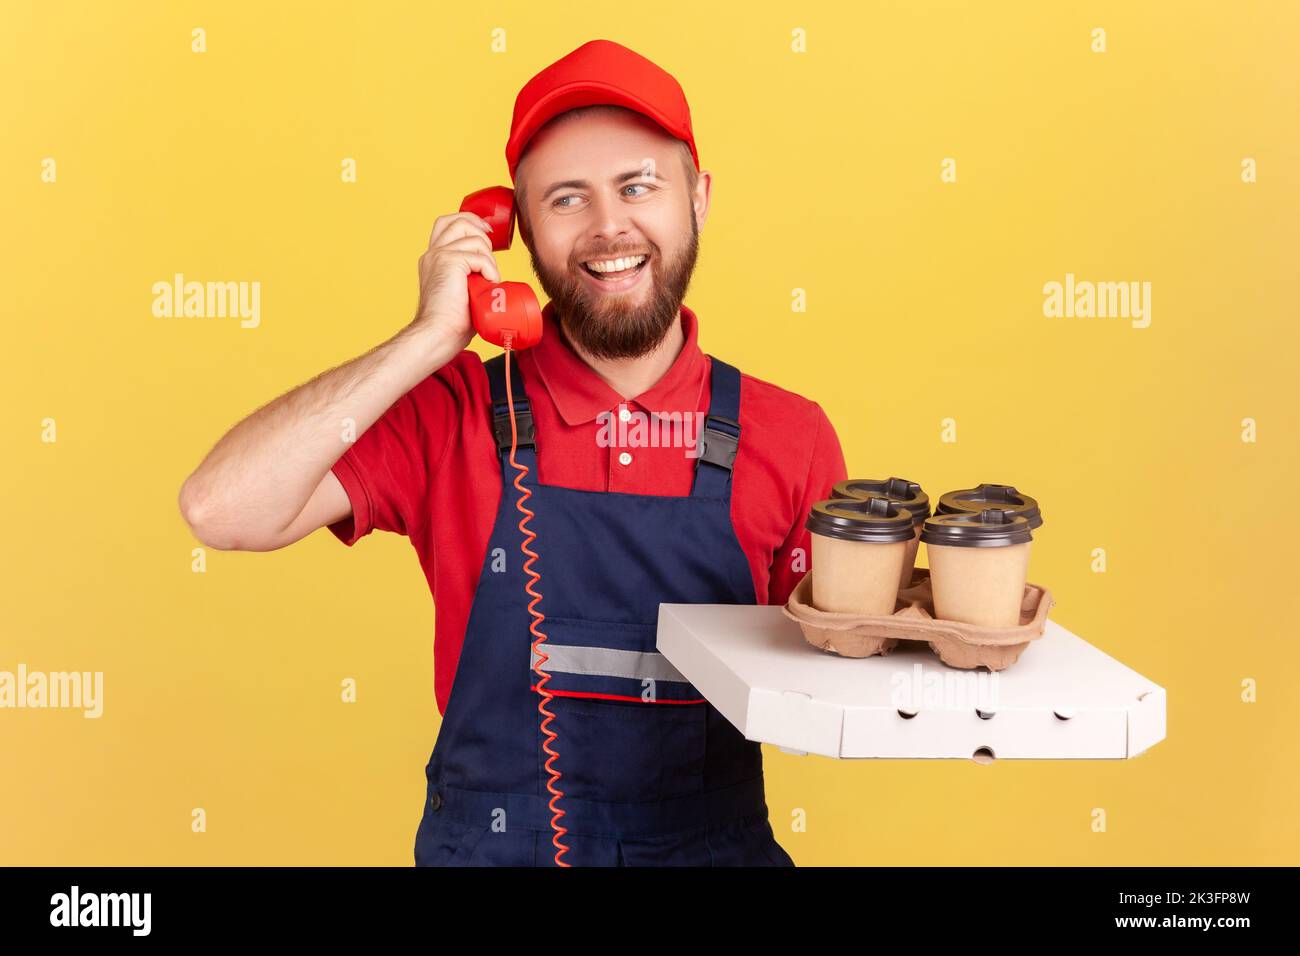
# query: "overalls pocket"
628,752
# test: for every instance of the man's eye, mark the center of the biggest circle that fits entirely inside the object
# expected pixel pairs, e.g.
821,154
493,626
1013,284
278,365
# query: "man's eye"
637,186
561,201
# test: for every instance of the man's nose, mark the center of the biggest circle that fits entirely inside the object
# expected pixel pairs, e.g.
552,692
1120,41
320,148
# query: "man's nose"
610,217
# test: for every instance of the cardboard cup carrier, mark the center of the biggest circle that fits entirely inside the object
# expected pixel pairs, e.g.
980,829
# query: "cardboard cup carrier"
973,606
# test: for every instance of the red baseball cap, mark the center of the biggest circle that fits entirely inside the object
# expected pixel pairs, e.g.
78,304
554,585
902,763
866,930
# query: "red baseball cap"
597,73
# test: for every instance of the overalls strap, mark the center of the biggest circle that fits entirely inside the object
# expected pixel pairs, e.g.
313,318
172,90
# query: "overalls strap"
719,440
527,443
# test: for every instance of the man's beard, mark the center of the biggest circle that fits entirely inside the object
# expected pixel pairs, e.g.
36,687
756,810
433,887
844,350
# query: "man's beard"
611,326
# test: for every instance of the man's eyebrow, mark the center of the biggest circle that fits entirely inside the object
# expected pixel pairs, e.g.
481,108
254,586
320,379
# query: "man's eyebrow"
638,173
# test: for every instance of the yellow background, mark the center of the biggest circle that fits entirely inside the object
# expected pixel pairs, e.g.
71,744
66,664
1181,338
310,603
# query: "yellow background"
924,303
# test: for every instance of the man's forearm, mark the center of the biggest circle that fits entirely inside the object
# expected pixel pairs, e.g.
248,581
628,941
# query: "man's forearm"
260,475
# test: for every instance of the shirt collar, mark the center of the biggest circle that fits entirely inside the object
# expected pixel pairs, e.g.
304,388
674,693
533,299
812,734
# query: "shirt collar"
580,394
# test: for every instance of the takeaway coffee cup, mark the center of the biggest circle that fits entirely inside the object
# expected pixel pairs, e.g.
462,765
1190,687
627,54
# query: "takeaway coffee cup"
858,548
908,494
979,562
991,496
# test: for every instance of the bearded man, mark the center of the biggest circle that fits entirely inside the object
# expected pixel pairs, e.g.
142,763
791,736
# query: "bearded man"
618,759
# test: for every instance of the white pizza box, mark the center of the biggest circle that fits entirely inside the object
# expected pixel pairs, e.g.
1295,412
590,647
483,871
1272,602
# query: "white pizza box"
1062,699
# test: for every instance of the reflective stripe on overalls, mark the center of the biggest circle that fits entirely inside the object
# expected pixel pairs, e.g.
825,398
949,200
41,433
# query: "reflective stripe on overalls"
652,774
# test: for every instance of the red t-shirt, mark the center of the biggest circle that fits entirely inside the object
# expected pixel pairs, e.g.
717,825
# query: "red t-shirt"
428,468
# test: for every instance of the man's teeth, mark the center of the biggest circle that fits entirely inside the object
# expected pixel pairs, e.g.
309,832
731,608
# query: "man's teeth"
615,265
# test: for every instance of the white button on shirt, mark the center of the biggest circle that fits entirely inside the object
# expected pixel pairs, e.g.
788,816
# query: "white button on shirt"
625,459
624,416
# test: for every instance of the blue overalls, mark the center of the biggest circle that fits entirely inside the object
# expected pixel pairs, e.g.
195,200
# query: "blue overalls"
652,774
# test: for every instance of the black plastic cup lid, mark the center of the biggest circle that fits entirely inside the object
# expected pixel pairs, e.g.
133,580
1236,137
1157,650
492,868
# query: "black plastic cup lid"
991,496
990,528
876,520
906,493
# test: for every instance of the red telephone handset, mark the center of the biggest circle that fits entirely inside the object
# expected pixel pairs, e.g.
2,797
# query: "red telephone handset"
504,313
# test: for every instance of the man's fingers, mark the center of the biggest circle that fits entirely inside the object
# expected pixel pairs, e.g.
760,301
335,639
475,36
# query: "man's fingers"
485,264
470,242
472,253
443,223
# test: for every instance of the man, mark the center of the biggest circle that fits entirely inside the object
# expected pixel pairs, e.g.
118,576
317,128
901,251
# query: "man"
622,762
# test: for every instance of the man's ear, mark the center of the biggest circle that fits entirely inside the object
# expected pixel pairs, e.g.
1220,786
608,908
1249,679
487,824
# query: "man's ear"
525,233
702,196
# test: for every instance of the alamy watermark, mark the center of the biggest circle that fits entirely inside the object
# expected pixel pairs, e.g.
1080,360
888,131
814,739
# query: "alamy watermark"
1073,299
75,908
918,689
77,690
177,298
627,428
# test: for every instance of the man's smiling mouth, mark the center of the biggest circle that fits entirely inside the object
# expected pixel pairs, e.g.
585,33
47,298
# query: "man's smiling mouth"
610,270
